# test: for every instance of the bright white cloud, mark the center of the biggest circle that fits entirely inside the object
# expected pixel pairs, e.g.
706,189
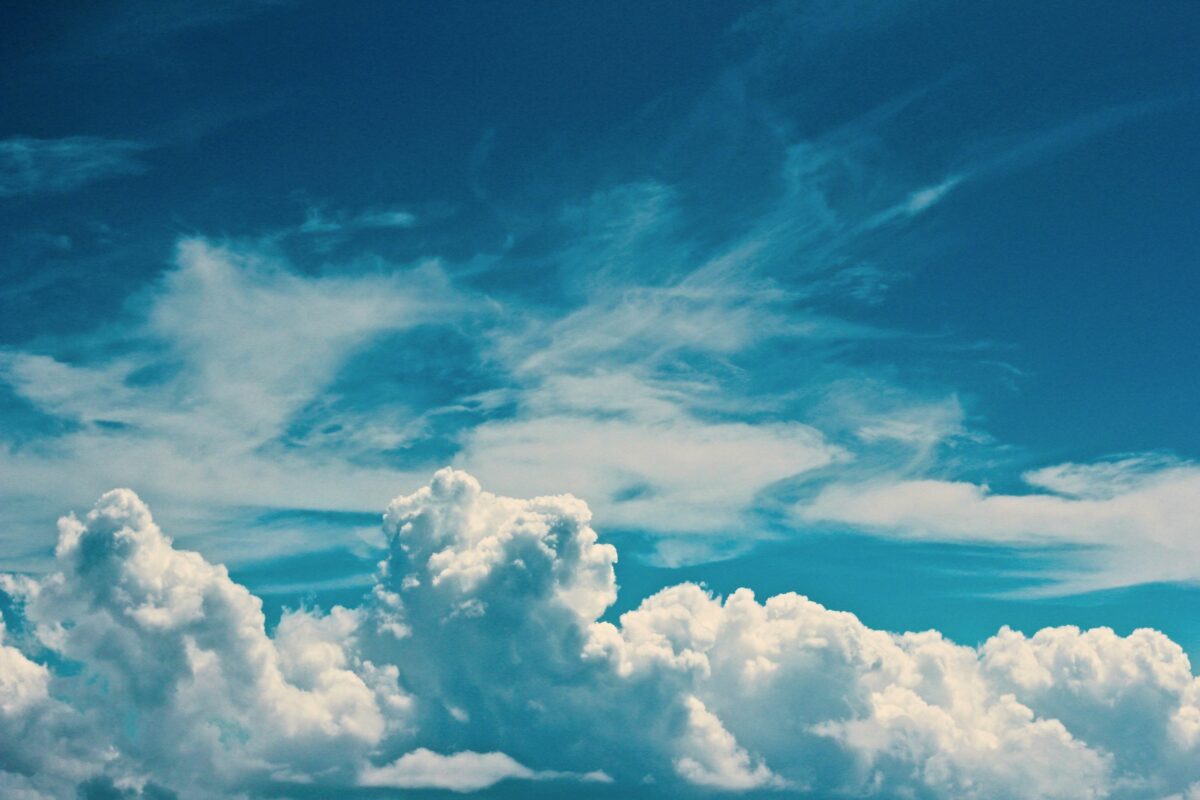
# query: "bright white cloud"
1140,511
635,448
712,757
480,657
458,772
236,346
461,772
602,407
233,347
318,221
178,663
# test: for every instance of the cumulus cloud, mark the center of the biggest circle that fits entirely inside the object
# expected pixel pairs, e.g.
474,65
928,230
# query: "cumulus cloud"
712,756
177,664
481,656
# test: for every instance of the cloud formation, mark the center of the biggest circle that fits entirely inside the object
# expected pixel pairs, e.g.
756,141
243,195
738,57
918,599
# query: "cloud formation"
1138,513
192,398
481,656
38,166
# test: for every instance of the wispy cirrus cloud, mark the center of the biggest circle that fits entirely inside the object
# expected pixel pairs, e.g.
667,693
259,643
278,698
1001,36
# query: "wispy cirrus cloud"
190,395
233,358
319,221
627,316
1134,517
31,166
478,658
661,342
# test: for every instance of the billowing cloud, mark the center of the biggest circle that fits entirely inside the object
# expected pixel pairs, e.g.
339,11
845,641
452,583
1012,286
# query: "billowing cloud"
38,755
177,664
480,657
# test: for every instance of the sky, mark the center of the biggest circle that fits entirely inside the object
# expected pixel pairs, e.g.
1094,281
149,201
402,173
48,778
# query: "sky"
618,399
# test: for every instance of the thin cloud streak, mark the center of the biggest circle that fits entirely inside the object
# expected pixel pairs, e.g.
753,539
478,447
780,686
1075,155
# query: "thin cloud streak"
31,167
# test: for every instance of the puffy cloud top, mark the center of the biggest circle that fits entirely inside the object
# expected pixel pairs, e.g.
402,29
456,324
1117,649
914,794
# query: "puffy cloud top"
471,546
481,656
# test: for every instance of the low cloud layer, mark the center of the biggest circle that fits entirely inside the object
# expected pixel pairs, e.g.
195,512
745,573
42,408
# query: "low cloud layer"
478,661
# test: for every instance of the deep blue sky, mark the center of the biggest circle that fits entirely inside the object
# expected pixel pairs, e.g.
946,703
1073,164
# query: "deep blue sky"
694,262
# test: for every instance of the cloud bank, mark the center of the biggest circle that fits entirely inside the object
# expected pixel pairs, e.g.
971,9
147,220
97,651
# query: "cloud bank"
480,660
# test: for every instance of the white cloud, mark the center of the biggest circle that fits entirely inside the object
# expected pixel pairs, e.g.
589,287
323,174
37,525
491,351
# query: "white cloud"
1140,511
458,772
621,398
637,450
233,346
178,663
45,746
690,679
856,710
713,758
465,771
195,397
22,682
480,658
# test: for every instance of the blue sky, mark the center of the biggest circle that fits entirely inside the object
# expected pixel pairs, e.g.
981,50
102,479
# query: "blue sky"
892,306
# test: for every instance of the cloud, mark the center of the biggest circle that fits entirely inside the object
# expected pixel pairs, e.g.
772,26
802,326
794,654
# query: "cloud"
673,376
459,772
642,366
191,396
925,198
242,380
184,651
650,463
713,757
237,378
49,166
479,656
917,202
1139,512
46,747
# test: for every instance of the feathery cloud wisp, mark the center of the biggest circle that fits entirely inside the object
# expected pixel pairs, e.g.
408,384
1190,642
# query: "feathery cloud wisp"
36,166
